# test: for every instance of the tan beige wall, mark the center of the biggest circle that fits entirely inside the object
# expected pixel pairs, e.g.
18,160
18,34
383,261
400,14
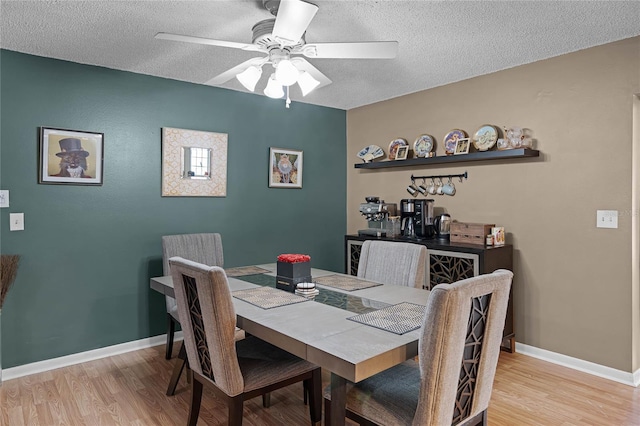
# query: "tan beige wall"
573,285
635,224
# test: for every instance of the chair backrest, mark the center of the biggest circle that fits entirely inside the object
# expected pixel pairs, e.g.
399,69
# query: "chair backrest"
459,347
393,263
201,248
208,321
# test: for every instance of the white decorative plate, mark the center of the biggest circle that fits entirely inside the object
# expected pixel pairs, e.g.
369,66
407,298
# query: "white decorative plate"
423,145
393,147
370,153
485,138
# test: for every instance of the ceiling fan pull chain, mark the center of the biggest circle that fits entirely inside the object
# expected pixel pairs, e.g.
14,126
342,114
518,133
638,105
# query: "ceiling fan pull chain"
288,101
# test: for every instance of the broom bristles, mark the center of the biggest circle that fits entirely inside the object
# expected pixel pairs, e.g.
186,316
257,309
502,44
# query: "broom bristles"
8,271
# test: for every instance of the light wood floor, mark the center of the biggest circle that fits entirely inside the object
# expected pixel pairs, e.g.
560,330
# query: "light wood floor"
129,390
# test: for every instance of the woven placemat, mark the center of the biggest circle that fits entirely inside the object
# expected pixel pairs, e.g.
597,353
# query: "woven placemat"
399,319
345,282
268,297
245,270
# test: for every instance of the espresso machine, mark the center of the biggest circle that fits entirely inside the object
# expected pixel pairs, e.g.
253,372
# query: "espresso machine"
376,211
416,217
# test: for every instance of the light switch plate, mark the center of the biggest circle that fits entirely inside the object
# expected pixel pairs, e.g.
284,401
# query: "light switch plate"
4,198
16,221
607,219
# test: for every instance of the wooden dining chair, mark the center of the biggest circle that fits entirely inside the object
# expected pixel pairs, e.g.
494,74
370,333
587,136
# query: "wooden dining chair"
392,262
458,355
235,370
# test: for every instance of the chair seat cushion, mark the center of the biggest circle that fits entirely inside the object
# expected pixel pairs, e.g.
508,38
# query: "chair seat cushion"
263,364
388,398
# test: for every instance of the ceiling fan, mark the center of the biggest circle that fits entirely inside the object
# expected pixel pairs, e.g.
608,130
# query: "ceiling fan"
282,42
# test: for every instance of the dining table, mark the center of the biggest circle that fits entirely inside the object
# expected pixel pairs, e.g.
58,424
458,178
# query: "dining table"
353,328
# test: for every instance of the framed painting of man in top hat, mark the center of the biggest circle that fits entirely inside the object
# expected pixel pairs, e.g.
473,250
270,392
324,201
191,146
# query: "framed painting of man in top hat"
70,157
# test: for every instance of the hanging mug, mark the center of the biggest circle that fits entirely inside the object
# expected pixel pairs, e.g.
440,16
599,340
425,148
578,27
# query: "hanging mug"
449,188
413,189
422,188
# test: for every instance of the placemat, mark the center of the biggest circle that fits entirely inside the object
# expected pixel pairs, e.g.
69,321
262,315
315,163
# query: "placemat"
268,297
345,282
399,319
245,270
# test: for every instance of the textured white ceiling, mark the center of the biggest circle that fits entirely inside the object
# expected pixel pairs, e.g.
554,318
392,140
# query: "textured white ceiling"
439,41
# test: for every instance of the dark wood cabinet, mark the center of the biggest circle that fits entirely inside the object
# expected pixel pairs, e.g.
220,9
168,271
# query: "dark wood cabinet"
449,262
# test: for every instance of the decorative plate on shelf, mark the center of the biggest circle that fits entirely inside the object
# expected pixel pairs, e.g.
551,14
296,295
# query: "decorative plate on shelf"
423,145
485,138
370,153
451,140
393,147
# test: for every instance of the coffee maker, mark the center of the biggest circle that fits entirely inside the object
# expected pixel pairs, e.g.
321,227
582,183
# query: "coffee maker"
424,219
407,217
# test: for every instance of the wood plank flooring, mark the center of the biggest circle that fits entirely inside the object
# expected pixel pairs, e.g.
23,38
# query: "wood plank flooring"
129,389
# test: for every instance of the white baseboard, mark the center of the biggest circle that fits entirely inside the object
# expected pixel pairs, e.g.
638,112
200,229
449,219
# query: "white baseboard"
65,361
631,379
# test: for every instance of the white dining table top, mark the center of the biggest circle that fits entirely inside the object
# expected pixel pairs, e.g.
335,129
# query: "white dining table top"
322,334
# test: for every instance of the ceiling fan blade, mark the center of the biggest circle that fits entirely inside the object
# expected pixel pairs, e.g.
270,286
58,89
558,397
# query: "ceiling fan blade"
209,41
229,74
292,20
304,65
364,50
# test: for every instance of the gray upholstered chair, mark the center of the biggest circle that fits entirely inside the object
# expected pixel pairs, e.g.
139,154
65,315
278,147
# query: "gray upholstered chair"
458,355
234,370
393,263
201,248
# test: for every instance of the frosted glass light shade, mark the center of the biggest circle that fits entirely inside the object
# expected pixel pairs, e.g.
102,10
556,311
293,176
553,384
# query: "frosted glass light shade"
286,73
274,88
307,83
249,77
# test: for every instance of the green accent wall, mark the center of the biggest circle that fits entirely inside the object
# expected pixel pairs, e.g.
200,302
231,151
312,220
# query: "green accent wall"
88,251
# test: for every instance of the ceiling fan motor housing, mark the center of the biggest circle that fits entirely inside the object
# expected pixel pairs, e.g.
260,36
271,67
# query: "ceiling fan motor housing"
263,35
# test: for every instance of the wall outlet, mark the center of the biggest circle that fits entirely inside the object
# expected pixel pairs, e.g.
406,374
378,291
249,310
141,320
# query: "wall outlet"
607,219
16,221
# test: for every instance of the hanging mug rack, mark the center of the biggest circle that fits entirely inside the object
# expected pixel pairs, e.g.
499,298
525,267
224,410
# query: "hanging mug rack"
439,188
460,176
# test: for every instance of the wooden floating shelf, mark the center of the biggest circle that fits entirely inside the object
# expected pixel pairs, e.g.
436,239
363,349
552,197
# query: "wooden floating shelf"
462,158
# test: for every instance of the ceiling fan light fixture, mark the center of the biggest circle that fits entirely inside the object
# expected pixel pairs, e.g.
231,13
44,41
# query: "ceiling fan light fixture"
307,83
249,77
274,88
286,73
